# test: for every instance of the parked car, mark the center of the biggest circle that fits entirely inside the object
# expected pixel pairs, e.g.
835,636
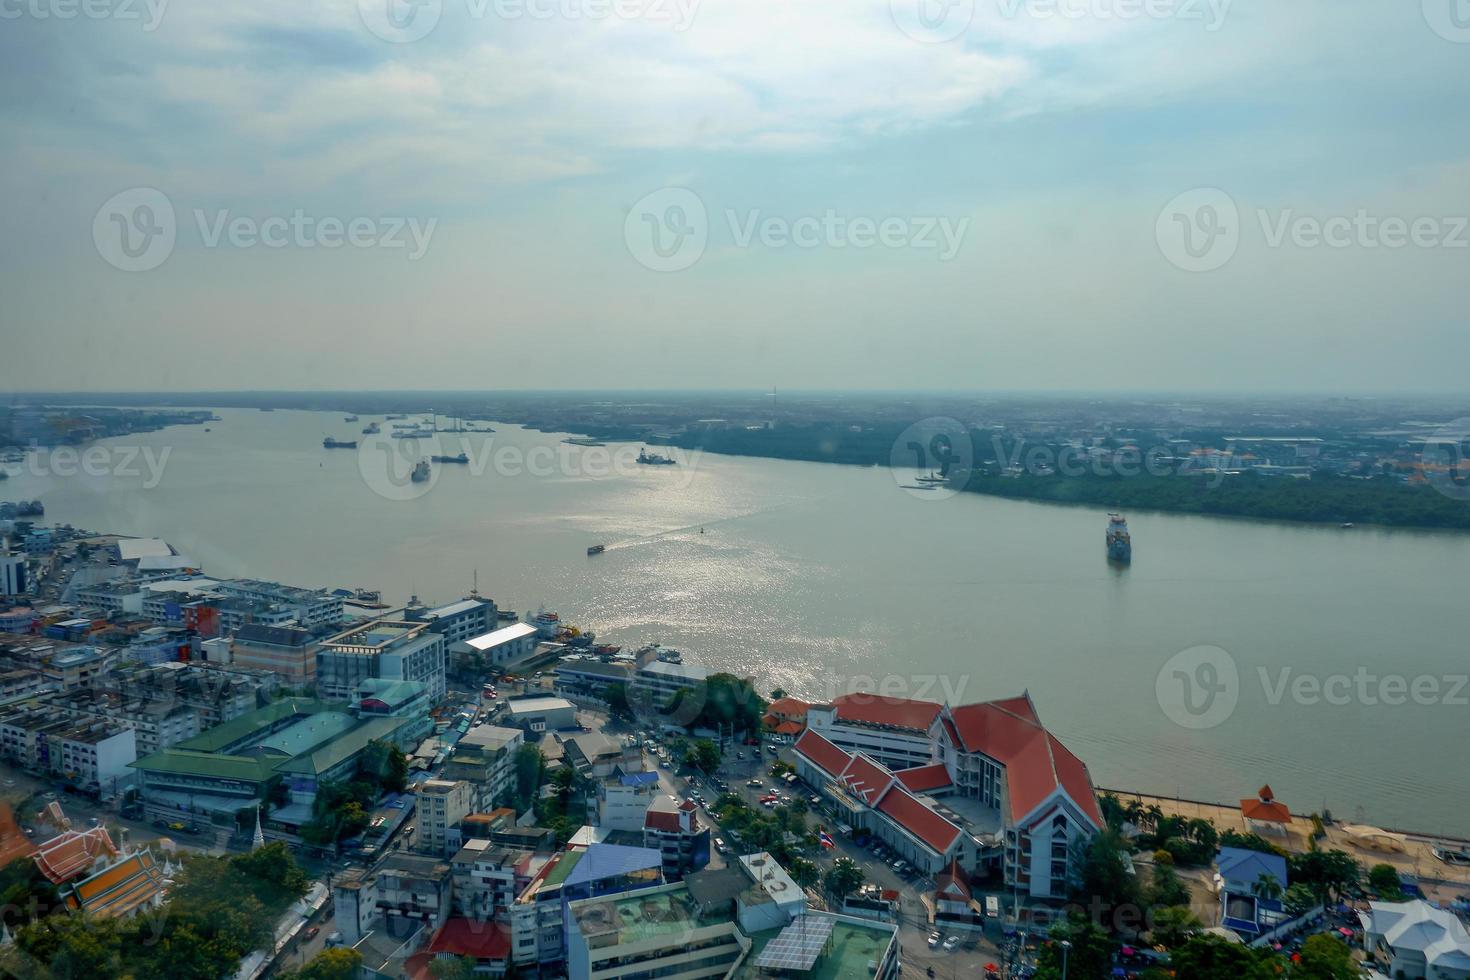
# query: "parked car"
311,932
951,943
934,939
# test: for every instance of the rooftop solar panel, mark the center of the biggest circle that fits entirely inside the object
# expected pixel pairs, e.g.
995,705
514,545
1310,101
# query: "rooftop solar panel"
798,945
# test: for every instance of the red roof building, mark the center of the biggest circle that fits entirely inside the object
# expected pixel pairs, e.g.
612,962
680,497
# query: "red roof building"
73,853
1015,793
1265,808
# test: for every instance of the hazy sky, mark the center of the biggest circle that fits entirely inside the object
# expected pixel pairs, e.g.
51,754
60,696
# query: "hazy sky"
735,193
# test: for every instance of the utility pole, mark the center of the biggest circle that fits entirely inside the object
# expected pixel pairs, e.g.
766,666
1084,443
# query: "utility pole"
1066,946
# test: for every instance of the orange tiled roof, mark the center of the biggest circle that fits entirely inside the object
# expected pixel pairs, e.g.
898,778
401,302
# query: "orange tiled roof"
73,852
125,887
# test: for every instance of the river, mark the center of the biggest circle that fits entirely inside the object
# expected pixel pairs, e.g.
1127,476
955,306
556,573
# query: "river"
821,578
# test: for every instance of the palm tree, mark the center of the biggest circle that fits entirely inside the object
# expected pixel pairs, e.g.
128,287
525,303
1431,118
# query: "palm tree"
1267,887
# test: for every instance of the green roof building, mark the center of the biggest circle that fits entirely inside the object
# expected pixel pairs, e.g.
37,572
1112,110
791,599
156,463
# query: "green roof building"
298,741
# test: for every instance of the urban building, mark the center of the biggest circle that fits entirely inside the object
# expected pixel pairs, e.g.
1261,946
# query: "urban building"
653,932
384,650
583,676
655,683
499,648
93,756
1417,940
286,650
1242,910
312,609
488,877
539,915
623,799
442,804
673,829
13,578
298,742
541,713
469,617
982,784
484,757
405,897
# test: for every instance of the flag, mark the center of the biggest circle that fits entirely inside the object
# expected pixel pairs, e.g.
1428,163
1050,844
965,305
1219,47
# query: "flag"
825,839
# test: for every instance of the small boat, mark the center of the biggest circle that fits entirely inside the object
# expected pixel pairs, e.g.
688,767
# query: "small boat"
932,478
597,549
507,615
350,418
461,458
1346,524
420,471
330,443
372,429
653,459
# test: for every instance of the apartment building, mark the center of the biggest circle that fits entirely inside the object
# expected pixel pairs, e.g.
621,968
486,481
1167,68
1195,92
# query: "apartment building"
92,755
285,650
471,616
484,757
312,609
383,649
442,804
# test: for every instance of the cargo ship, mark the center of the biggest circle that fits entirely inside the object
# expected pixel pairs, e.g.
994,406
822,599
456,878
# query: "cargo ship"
653,459
461,458
372,429
330,443
1120,545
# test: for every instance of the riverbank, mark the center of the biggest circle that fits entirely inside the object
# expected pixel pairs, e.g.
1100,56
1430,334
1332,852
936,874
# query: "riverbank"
1409,852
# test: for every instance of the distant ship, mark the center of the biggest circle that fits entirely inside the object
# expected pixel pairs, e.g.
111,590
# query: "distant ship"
350,418
330,443
653,459
1120,545
461,458
372,429
420,471
597,549
390,417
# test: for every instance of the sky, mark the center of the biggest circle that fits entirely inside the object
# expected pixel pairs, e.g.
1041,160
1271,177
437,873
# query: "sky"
856,194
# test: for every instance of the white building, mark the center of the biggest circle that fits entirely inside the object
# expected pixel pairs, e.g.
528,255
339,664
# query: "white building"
1418,940
442,804
485,757
541,714
311,608
502,647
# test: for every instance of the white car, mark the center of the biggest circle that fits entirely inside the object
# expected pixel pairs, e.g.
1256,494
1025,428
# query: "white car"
933,939
951,943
